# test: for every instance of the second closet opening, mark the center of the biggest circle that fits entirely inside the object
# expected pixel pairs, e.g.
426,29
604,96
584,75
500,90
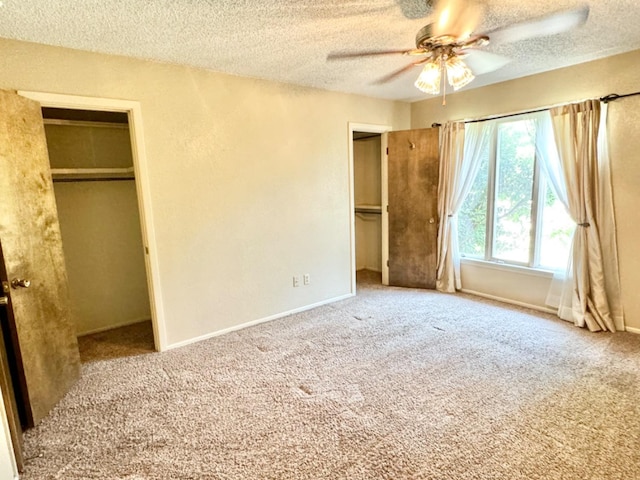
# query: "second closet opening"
368,206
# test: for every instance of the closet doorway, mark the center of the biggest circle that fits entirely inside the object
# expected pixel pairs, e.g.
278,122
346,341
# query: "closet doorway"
94,182
133,111
369,197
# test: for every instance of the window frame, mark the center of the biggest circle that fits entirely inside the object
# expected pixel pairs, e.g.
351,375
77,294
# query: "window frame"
539,183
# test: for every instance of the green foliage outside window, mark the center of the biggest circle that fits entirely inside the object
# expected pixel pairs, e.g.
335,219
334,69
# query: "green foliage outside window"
513,201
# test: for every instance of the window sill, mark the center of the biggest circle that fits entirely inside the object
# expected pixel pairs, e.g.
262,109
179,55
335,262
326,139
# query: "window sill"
505,267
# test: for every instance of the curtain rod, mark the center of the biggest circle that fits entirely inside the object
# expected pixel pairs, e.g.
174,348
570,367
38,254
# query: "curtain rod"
614,96
606,99
497,117
507,115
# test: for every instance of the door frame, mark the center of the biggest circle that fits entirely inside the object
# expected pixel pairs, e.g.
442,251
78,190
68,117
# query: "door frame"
382,130
10,387
143,188
7,448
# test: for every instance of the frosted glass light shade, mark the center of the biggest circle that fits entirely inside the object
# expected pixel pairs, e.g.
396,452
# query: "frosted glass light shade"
429,79
457,72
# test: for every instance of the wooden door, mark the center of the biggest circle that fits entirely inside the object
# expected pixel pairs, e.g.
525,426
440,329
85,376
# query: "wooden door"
413,207
47,348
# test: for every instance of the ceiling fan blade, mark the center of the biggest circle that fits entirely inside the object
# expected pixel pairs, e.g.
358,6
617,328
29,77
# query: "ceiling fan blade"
540,27
366,53
481,61
400,71
457,18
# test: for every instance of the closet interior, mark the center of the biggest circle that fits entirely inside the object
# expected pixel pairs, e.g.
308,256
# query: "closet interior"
95,189
367,168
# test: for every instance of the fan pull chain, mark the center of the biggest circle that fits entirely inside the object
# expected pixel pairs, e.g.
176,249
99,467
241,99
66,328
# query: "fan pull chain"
443,79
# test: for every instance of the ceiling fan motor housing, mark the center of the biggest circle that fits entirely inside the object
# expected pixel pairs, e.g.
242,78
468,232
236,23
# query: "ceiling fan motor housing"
427,41
425,38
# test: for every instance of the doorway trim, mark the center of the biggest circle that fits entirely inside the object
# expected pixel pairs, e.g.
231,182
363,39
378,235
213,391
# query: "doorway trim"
140,166
382,130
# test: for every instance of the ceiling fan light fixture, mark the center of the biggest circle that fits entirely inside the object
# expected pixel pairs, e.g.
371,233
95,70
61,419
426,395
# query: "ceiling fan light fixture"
458,73
429,79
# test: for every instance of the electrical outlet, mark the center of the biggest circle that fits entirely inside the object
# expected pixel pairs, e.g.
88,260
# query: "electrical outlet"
296,281
307,279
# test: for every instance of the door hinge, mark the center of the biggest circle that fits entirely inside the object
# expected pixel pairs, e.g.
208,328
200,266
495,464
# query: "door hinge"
387,263
387,150
387,208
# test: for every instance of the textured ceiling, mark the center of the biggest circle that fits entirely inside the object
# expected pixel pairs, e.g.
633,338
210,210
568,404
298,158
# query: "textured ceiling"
289,41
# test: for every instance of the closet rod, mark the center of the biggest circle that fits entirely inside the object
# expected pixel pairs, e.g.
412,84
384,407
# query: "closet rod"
96,179
84,123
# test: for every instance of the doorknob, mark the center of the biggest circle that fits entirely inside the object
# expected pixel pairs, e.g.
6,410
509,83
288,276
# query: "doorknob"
20,282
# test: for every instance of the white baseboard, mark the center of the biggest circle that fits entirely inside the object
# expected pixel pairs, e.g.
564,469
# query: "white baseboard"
112,326
512,302
256,322
633,330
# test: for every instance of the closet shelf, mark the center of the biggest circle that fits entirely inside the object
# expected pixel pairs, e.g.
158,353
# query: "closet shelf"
366,208
70,174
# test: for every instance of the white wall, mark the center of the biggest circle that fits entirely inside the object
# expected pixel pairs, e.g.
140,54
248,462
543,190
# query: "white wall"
516,284
249,180
367,166
369,242
617,74
103,251
8,468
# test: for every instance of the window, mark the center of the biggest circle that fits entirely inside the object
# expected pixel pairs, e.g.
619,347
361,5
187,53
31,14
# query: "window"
511,214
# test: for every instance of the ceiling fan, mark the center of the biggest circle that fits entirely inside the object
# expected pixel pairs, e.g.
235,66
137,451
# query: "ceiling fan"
443,45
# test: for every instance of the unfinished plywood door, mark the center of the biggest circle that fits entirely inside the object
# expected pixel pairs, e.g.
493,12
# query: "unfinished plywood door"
47,349
413,207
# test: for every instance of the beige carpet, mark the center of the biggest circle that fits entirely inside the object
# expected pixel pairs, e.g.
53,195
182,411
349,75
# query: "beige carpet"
392,384
125,341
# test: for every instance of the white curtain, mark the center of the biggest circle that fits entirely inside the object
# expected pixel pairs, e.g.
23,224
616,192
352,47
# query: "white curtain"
547,155
607,224
460,152
571,144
